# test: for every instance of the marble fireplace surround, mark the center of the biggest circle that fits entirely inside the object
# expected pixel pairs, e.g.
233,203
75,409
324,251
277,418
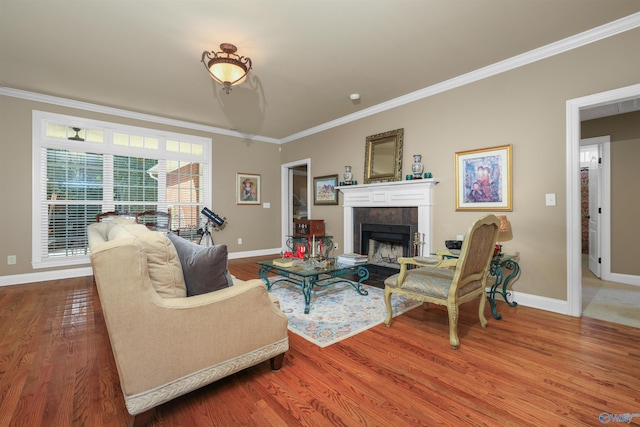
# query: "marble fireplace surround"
413,193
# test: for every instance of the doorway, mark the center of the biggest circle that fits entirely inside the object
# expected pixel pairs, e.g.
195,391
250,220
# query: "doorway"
573,214
295,190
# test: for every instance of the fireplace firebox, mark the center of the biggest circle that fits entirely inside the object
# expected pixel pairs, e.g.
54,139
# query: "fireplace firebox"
384,244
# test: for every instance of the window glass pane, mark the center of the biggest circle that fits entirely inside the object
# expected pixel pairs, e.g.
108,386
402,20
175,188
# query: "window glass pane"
173,146
133,181
136,141
55,130
94,135
74,176
151,143
120,139
68,228
185,147
197,149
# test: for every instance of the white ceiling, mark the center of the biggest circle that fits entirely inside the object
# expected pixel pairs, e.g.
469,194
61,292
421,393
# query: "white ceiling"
308,56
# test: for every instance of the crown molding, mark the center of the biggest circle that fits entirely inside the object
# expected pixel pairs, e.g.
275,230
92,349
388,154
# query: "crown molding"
64,102
587,37
590,36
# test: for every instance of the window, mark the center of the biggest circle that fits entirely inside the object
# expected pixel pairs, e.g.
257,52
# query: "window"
85,167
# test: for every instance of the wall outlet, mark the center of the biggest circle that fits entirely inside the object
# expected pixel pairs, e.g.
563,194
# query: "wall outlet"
240,241
336,246
11,259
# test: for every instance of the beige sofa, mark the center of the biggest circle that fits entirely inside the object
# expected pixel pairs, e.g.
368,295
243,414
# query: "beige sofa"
164,343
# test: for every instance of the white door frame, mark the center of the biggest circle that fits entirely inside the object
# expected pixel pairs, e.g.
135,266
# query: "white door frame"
286,207
574,250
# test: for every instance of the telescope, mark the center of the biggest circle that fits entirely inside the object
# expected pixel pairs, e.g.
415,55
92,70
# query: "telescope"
213,217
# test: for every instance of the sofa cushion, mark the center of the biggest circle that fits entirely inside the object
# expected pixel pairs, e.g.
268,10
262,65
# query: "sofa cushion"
204,268
165,270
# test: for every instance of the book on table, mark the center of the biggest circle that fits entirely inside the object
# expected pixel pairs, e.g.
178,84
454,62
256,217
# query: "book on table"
283,262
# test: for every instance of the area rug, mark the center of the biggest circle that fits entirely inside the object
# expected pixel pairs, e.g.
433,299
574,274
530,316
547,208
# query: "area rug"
336,312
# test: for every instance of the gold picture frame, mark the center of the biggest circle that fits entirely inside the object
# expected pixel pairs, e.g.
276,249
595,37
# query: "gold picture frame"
383,157
484,179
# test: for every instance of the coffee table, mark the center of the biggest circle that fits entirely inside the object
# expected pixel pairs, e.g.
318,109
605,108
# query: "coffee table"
307,279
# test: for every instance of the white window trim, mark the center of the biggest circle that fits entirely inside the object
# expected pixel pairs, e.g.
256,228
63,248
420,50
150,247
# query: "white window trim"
40,141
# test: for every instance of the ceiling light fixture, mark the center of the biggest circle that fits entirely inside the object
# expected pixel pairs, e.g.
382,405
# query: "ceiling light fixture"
226,67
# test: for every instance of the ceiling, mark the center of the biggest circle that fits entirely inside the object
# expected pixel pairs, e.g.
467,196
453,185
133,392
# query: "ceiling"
308,56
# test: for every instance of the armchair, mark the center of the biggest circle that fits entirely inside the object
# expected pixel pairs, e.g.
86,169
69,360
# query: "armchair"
449,282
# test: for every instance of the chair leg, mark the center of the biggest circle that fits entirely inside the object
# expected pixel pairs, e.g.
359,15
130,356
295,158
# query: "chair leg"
483,301
387,303
452,309
276,362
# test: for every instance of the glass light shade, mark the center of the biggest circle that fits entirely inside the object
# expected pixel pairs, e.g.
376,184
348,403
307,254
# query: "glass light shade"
226,72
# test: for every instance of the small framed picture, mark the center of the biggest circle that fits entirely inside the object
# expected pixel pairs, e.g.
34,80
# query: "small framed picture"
483,179
247,189
324,190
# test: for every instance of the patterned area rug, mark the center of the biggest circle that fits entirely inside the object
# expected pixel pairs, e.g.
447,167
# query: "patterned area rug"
336,312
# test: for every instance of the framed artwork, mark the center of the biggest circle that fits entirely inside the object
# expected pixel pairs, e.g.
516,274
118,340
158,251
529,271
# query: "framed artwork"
383,157
483,179
324,190
247,189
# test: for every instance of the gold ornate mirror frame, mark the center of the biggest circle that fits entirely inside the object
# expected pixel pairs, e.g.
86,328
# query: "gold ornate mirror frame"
383,157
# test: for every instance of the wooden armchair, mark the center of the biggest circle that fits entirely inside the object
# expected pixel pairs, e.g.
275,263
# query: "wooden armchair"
452,282
108,216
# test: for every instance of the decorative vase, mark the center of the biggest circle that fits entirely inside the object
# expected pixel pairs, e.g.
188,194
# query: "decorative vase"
348,176
417,167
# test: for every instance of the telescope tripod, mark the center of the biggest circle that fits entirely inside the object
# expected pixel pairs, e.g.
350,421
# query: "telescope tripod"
206,235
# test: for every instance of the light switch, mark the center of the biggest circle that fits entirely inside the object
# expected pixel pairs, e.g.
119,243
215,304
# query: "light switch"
550,199
266,205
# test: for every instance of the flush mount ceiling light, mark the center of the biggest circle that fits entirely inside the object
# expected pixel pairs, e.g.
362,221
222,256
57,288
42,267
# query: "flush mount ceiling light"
226,67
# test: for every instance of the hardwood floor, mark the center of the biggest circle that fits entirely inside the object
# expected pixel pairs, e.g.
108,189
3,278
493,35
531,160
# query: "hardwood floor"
531,368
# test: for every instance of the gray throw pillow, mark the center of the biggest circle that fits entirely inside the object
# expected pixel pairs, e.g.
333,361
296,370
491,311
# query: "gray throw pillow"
204,267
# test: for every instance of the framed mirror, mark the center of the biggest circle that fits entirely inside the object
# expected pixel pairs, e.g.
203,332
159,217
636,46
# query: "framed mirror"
383,157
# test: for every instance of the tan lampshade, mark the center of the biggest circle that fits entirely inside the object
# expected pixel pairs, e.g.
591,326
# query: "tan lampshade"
505,234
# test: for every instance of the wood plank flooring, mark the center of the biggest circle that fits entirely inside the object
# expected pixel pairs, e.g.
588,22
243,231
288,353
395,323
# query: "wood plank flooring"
531,368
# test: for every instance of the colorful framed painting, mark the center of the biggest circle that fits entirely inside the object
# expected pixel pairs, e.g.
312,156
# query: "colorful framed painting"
484,179
324,190
247,189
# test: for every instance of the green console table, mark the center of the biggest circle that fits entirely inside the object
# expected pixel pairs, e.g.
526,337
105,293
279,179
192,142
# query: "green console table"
505,268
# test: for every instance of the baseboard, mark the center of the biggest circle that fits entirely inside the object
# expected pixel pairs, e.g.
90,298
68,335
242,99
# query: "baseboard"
248,254
541,303
20,279
627,279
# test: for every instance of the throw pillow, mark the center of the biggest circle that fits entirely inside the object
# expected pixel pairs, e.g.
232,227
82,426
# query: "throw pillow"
165,270
204,268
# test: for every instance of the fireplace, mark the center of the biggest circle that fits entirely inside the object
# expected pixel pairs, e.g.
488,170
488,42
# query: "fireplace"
397,203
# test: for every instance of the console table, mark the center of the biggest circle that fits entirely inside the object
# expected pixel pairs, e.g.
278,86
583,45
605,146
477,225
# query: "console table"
499,265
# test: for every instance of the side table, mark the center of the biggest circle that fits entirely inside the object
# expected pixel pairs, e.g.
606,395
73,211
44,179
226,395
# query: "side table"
506,263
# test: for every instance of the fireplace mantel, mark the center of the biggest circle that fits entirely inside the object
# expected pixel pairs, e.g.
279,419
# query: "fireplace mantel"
414,193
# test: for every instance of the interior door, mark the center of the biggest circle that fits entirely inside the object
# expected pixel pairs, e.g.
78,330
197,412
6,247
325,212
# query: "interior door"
595,234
